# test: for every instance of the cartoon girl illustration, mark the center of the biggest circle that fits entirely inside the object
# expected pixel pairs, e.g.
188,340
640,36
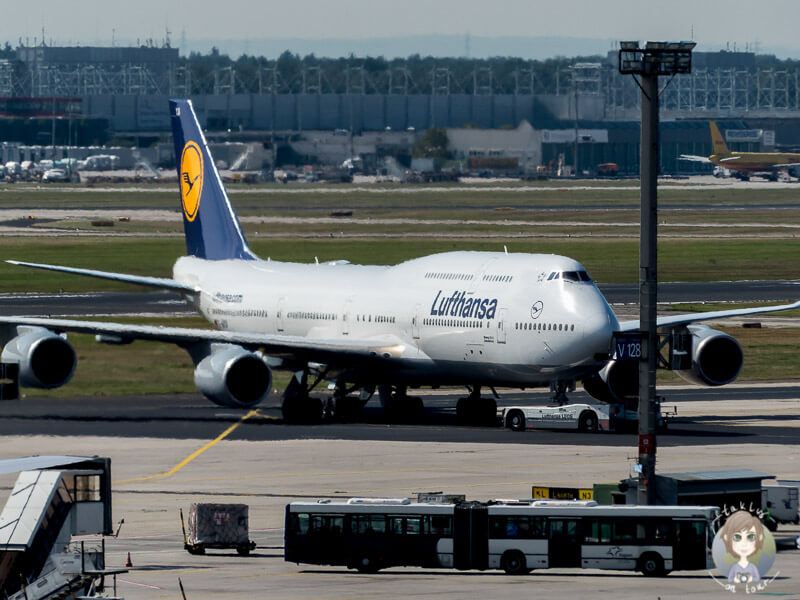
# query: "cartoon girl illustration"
743,535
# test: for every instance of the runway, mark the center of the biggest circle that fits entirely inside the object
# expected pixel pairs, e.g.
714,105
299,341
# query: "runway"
168,452
190,416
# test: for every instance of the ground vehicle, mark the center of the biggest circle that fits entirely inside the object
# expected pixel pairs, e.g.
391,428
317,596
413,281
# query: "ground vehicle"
608,169
780,503
584,417
515,536
55,175
217,526
592,417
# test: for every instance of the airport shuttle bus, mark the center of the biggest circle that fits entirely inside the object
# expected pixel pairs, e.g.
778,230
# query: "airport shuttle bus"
515,536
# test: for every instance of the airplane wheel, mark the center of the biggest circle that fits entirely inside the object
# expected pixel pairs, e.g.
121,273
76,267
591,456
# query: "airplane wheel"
347,409
488,408
302,410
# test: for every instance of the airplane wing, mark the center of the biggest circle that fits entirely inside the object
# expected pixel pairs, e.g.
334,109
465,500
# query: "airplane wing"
342,352
674,321
156,282
787,165
694,158
729,158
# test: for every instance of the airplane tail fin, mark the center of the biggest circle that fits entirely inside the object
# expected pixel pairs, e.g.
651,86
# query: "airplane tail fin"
211,227
717,142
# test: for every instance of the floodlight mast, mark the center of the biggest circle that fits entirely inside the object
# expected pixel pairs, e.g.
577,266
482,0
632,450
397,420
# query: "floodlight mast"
656,58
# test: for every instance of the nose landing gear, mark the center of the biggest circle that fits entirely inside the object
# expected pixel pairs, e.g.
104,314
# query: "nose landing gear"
474,410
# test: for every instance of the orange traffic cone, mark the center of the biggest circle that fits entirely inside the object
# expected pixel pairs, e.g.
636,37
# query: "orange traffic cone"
128,562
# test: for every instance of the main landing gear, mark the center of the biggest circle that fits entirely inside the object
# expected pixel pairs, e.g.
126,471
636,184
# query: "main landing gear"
298,406
344,407
474,410
398,406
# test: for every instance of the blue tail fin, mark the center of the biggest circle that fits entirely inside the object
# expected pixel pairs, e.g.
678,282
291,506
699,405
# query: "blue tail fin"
211,227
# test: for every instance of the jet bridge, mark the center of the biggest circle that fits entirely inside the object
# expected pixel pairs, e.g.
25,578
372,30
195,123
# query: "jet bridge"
54,498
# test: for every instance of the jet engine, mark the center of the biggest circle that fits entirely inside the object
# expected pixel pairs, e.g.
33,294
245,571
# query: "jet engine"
46,360
616,382
712,358
716,357
232,376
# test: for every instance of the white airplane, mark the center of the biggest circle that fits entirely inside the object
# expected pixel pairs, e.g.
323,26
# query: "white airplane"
474,319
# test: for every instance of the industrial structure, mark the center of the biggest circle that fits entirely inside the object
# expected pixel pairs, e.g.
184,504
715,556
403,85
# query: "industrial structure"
585,111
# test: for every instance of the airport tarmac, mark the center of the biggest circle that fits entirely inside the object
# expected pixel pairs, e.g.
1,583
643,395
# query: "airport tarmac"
186,453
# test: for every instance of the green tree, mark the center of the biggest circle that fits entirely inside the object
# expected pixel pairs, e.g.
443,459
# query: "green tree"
432,144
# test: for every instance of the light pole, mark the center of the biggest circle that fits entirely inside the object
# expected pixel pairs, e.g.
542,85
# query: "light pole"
656,58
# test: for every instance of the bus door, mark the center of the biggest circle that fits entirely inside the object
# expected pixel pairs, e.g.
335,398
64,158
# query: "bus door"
690,545
471,536
564,545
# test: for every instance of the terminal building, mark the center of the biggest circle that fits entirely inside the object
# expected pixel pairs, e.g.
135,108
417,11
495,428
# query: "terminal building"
585,115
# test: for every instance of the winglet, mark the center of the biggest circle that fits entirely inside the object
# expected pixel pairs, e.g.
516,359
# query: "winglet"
211,227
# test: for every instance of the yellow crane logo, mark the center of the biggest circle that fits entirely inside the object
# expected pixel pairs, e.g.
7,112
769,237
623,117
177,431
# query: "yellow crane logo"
191,179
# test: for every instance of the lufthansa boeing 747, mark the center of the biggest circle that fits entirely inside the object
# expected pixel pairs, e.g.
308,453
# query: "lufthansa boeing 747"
472,319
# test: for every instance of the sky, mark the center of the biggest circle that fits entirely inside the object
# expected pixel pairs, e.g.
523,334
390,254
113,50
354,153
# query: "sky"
253,25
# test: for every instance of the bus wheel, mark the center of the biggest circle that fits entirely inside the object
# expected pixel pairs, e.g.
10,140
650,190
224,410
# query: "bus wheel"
587,422
516,420
513,563
367,564
652,565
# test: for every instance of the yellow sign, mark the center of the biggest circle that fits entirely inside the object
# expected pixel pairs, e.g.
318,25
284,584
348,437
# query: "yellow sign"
559,493
541,492
191,179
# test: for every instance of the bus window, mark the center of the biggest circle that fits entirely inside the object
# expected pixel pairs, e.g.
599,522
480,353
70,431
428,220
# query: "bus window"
516,526
327,524
659,532
336,525
440,525
597,532
623,532
396,525
299,523
405,525
413,525
368,524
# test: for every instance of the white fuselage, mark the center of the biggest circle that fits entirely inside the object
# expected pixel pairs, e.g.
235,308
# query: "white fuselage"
459,317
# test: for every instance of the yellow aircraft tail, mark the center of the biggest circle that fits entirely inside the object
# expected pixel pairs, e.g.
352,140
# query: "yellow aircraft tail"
717,141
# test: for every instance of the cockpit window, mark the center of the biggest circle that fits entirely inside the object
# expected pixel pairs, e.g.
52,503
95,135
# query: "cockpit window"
573,276
553,276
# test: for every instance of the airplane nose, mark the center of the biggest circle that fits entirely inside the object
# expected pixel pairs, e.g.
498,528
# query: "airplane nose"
599,325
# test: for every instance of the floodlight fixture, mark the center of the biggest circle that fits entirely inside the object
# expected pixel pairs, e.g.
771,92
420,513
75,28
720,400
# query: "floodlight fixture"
656,58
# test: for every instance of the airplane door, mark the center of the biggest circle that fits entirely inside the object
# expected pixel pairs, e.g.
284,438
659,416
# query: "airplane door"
346,316
502,336
415,321
281,314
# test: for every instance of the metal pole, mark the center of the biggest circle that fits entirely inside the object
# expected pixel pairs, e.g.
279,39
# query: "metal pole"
648,168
